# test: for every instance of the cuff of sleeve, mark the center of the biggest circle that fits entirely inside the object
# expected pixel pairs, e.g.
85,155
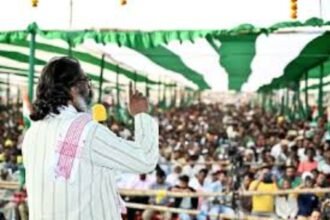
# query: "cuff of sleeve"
142,116
143,122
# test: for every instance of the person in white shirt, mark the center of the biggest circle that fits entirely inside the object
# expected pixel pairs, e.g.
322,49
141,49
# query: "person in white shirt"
280,151
173,178
199,184
140,182
324,165
286,205
71,160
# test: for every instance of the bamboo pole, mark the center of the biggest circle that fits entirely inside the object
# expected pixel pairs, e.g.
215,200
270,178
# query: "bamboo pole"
306,93
129,192
134,192
176,210
320,98
32,45
190,212
101,78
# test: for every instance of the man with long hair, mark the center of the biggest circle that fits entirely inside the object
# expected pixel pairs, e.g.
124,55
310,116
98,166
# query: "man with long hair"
70,160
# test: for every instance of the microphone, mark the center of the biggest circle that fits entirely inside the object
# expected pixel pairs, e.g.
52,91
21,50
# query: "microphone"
99,113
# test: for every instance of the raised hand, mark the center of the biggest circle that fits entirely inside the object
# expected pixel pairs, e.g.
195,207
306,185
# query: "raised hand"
137,102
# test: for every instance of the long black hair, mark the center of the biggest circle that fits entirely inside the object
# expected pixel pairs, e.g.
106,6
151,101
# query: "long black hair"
53,90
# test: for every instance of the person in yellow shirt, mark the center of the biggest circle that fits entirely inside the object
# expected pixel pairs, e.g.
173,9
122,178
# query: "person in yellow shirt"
263,205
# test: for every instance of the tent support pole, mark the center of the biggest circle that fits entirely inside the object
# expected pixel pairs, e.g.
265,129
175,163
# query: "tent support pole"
70,51
271,101
8,90
147,89
320,101
135,79
70,54
117,88
300,105
101,79
287,110
306,94
31,64
282,104
263,101
159,91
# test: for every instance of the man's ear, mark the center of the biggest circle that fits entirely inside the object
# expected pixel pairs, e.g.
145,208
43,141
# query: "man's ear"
74,91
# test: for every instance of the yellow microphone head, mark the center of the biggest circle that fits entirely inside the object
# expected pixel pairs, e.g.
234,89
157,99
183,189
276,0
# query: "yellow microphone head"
99,113
19,159
9,143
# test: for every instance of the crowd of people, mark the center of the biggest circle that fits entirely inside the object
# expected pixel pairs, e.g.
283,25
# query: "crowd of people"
216,148
11,164
212,148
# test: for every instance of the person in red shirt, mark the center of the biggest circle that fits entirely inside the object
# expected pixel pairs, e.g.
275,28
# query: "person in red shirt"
309,164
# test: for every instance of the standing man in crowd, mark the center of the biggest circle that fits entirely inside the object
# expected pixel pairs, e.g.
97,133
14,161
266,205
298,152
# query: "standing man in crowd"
263,205
69,159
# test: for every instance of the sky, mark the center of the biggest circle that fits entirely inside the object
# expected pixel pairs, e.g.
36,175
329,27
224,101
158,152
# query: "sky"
154,14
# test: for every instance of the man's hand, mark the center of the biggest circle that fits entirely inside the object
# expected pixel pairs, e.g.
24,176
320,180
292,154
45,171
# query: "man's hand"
137,102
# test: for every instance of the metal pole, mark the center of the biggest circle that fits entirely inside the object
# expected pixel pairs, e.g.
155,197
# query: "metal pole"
164,95
300,105
287,110
159,88
70,47
71,13
320,7
271,101
117,87
282,104
146,87
263,101
101,78
135,78
31,64
18,100
306,95
306,90
18,96
8,90
320,101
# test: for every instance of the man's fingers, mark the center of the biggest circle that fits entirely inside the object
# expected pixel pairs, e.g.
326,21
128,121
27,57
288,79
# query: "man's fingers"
137,94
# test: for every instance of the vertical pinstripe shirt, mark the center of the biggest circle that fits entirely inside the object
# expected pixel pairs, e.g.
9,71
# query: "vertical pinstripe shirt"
93,194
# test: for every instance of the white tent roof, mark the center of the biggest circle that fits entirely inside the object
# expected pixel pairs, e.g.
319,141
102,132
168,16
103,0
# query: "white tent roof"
154,14
273,51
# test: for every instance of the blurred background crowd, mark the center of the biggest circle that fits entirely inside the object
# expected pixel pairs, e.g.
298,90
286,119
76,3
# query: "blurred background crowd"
209,148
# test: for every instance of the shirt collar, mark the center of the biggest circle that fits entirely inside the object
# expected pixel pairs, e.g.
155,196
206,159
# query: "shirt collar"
67,109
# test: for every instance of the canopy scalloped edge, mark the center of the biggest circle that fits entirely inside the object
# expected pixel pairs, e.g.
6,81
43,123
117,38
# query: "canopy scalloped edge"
149,39
303,63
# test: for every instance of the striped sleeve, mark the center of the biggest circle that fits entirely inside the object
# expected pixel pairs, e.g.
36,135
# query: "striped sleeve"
139,156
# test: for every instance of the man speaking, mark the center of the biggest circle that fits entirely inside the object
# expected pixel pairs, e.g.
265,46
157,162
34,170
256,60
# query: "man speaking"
69,159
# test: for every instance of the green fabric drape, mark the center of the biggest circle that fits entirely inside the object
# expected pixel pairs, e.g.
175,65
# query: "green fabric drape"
314,53
236,54
84,57
168,60
148,39
151,44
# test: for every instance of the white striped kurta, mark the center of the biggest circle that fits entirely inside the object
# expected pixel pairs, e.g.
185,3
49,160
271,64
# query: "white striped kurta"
92,195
